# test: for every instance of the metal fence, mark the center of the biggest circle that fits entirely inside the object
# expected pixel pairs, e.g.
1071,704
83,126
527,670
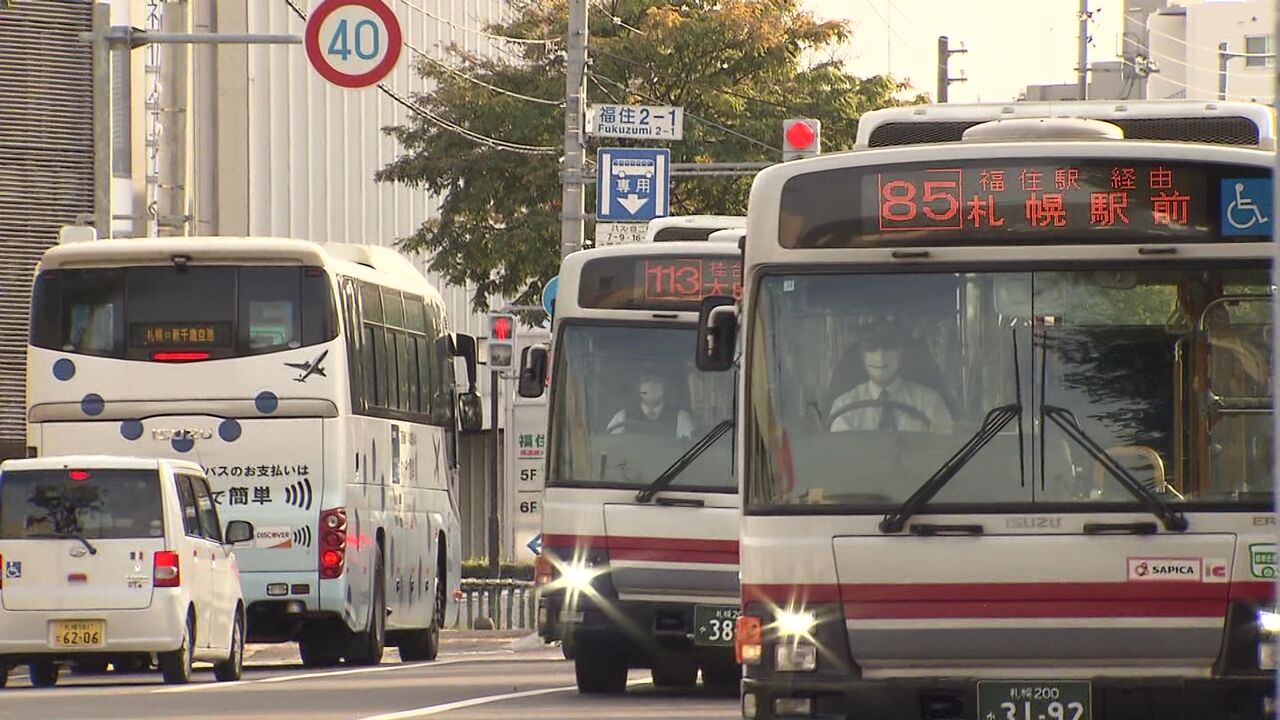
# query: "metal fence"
510,604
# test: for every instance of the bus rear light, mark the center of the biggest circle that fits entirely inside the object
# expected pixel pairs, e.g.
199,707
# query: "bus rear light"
748,641
543,571
333,545
165,571
179,356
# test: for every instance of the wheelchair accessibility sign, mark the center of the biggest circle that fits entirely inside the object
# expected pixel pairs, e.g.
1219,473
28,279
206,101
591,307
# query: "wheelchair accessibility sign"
1247,206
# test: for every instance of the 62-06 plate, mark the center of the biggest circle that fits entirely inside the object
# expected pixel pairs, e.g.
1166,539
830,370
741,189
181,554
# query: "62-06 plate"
1034,700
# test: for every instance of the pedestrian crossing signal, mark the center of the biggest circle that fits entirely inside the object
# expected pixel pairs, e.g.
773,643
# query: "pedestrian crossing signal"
502,336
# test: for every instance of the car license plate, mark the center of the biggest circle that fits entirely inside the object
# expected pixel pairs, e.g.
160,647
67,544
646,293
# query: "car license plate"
714,624
1034,700
78,633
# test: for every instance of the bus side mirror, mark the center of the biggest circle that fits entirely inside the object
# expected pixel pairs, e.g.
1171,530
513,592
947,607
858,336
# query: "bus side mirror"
464,346
533,371
717,333
470,412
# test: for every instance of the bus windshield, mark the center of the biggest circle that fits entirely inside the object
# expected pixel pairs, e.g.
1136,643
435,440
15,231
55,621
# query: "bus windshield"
1166,369
214,311
628,402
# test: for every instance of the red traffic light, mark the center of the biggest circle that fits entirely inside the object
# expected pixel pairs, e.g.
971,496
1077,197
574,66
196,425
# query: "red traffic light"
501,327
800,136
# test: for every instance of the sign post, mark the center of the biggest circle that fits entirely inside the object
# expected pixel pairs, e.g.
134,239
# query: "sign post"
353,43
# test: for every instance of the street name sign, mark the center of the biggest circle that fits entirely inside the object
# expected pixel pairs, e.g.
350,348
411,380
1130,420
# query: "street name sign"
645,122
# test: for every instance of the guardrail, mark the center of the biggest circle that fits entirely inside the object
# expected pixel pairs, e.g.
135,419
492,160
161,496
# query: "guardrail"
509,604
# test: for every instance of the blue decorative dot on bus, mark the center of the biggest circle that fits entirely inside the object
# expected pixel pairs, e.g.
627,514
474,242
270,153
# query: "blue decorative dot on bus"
92,404
229,430
131,429
266,402
182,444
64,369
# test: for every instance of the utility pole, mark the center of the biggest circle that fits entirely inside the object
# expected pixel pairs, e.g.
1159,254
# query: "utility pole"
1082,69
944,66
101,52
573,166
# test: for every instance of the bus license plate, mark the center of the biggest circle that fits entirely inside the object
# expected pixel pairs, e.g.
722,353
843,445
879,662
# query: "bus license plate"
714,624
78,633
1034,700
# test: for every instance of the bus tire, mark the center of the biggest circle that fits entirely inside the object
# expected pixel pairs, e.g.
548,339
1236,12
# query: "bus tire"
424,645
4,674
366,646
674,672
599,672
721,672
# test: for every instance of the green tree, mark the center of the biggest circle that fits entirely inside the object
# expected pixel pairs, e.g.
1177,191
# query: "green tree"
738,67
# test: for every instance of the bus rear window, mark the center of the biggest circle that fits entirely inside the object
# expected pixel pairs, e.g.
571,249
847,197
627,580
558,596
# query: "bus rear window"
146,313
92,504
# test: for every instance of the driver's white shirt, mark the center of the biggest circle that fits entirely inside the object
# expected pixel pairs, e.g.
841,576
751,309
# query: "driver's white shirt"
924,399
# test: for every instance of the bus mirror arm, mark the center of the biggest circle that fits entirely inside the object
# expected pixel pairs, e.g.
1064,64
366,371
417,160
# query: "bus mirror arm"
533,371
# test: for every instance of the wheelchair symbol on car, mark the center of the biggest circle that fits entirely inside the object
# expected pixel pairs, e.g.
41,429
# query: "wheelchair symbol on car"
1243,213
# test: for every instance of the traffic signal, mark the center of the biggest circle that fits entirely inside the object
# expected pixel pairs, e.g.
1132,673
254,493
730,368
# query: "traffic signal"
801,138
502,340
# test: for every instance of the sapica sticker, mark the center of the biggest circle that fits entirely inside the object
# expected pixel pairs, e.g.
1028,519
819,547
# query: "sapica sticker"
273,537
1262,560
1166,569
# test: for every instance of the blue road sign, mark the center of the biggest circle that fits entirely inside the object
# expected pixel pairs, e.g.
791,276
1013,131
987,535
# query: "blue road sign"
535,544
632,184
1246,206
549,296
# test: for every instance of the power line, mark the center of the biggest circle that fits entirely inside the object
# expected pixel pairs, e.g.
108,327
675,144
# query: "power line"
616,20
491,36
446,124
477,81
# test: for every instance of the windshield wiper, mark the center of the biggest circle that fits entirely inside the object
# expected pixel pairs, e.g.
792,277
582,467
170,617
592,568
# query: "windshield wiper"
1066,420
992,424
667,476
67,536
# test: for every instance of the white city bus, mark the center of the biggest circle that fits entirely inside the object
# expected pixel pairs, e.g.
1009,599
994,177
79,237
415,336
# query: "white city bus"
1005,419
676,228
639,563
315,384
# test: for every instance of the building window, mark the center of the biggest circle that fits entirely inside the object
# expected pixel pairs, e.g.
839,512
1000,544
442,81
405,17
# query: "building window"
1257,50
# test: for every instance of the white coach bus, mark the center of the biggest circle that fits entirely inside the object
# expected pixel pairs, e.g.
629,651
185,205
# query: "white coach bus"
639,563
687,228
1005,417
315,384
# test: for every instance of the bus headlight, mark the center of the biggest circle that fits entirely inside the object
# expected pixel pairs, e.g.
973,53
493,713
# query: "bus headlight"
795,656
577,576
1268,630
1268,622
794,624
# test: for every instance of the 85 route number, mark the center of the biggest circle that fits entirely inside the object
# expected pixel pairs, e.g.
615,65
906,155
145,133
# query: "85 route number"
353,43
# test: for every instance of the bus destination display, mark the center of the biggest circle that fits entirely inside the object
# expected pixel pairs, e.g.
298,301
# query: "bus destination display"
669,282
1037,197
180,334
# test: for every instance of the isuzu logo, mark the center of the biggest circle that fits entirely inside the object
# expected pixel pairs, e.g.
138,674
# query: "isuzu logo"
181,434
1166,569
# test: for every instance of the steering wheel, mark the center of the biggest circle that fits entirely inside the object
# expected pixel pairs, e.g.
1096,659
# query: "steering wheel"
894,405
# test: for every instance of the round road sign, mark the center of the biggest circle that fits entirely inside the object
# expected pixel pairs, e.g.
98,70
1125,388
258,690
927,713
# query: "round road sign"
353,43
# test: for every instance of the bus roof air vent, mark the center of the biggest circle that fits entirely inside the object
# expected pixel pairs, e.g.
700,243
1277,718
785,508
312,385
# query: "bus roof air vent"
1023,129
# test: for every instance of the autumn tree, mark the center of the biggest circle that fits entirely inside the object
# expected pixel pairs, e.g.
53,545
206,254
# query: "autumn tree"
487,138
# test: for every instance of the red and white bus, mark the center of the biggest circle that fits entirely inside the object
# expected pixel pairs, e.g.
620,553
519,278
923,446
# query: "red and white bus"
639,564
1004,428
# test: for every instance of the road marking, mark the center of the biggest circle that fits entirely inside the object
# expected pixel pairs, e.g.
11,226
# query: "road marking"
308,676
483,700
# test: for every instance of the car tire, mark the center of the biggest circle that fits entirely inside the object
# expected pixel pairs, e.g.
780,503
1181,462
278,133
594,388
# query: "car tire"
175,665
4,675
366,646
675,672
599,672
232,668
43,673
319,646
424,645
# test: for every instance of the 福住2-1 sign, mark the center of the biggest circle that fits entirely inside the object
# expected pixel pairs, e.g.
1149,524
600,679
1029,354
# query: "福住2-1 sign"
353,43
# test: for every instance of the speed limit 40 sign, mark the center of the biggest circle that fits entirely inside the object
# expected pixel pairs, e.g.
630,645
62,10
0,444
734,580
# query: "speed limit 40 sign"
353,43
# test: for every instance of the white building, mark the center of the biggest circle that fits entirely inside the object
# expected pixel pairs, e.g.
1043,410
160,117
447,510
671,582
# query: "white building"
1185,44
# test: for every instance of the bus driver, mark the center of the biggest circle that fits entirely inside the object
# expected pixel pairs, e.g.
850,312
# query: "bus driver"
651,413
886,401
